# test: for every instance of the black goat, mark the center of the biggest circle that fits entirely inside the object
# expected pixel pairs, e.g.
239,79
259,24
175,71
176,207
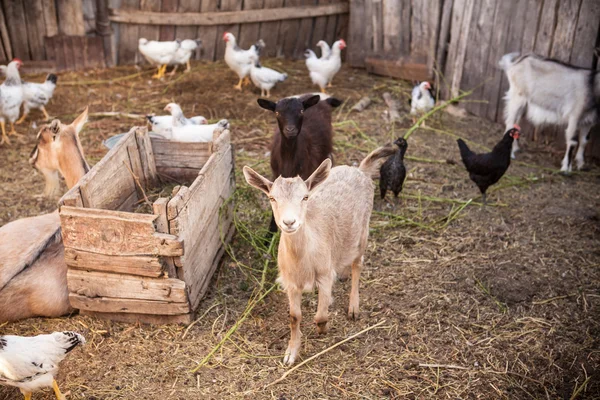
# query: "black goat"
303,137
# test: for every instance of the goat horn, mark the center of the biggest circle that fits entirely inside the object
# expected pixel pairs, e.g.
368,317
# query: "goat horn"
55,126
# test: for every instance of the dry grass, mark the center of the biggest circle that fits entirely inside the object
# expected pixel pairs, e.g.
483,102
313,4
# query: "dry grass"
499,302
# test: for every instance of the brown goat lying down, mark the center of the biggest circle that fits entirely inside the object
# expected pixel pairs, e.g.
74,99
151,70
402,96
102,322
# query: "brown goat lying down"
33,272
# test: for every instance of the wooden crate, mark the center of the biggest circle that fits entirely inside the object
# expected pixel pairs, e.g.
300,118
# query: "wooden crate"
152,268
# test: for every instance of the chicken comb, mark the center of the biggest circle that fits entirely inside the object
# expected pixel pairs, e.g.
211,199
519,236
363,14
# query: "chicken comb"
517,127
17,60
225,34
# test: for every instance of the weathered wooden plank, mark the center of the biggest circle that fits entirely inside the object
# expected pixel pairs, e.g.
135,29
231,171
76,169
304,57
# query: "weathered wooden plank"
227,17
304,33
129,265
564,33
135,164
402,69
177,174
146,156
532,16
72,198
318,31
101,284
391,26
34,16
180,155
142,318
50,21
249,33
150,32
129,35
159,207
70,17
229,25
208,34
17,28
4,39
167,30
582,53
461,23
491,90
331,26
111,305
115,233
77,47
545,34
443,37
270,31
183,32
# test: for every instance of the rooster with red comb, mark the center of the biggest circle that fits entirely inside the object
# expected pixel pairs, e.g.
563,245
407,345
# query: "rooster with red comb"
11,97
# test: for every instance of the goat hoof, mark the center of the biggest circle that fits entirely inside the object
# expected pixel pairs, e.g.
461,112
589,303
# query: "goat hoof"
322,327
353,314
290,356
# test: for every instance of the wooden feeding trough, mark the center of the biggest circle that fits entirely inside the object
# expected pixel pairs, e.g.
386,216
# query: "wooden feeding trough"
149,267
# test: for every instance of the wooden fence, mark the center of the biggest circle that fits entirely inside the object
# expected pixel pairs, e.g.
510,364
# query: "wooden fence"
464,40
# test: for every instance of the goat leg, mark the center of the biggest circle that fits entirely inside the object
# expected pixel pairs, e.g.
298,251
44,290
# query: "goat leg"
353,310
322,315
571,140
295,299
584,137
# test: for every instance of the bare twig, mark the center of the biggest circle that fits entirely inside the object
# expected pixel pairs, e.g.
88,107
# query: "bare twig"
450,366
137,181
361,105
324,351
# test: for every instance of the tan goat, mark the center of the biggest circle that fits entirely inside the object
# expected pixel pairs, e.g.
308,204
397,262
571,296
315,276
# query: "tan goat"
324,224
33,273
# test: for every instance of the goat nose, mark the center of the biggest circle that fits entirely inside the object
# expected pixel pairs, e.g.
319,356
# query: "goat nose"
290,129
289,222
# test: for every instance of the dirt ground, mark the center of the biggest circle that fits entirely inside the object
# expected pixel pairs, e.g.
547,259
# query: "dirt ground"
496,302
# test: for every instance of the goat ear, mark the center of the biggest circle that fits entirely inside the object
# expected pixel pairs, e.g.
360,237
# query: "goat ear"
80,121
333,102
311,101
319,176
257,180
266,104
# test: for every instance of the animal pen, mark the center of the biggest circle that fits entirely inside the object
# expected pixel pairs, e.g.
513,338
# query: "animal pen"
458,300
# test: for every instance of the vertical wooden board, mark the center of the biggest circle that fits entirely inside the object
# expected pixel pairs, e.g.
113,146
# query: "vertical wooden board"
564,33
70,17
146,156
545,34
318,32
67,52
76,46
331,27
582,53
341,30
95,53
128,36
227,5
513,43
249,33
208,34
304,33
391,25
532,16
419,28
443,37
50,21
150,32
187,32
377,26
35,28
458,45
499,36
433,25
167,32
288,34
405,27
6,47
476,56
270,32
17,28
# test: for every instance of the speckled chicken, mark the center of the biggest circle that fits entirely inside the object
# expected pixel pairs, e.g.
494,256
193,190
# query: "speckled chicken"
393,171
487,169
30,363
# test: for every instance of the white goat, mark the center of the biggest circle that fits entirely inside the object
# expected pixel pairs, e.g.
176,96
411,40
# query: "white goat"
33,272
324,224
552,92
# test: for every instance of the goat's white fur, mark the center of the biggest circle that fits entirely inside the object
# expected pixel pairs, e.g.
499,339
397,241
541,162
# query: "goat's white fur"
325,226
552,93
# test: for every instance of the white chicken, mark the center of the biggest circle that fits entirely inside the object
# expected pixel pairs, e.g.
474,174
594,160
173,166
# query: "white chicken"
184,53
197,133
158,53
11,97
239,60
422,99
163,124
265,78
30,363
322,70
37,95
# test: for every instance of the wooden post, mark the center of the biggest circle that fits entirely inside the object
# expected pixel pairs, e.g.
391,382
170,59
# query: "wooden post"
104,30
70,17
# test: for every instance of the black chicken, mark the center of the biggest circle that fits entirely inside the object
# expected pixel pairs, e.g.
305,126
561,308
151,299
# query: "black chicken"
487,169
393,172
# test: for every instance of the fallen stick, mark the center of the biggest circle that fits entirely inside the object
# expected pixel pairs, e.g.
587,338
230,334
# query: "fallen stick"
324,351
392,104
137,181
450,366
361,105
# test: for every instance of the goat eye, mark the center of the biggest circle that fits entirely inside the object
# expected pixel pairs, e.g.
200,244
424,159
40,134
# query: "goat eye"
271,199
305,198
277,113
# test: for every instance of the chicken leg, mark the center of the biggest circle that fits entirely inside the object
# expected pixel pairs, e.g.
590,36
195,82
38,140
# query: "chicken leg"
57,393
5,138
189,67
239,85
21,119
12,130
329,84
161,72
174,70
246,81
323,90
27,396
45,113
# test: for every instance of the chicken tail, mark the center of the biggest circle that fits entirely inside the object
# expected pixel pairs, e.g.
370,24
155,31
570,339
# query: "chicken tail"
283,77
508,60
52,78
370,165
465,152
